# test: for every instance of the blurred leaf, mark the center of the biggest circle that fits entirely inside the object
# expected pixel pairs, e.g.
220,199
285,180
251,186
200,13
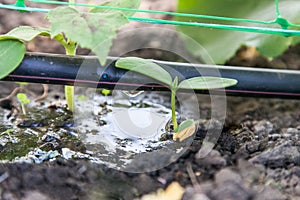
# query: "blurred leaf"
175,83
270,46
27,33
173,192
186,129
23,98
105,92
206,83
185,124
94,31
133,4
145,67
22,83
11,55
222,44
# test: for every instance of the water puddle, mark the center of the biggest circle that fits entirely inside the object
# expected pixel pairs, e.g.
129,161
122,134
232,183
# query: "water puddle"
126,132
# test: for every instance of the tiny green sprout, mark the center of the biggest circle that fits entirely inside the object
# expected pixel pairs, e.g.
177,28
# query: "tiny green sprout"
148,68
22,83
8,133
23,100
105,92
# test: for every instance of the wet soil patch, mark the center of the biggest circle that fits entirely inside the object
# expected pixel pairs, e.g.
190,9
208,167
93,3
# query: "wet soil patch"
256,157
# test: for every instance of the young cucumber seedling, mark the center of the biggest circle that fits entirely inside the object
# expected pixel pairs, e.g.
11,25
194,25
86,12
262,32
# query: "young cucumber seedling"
23,100
148,68
93,30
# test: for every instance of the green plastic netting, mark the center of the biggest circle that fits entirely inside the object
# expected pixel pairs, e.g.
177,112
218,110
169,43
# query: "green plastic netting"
285,28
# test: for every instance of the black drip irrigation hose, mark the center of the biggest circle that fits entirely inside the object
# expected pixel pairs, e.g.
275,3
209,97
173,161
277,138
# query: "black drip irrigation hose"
86,71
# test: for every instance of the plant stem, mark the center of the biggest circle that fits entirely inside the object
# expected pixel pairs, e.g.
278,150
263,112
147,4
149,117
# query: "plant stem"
70,48
173,106
23,109
69,94
69,90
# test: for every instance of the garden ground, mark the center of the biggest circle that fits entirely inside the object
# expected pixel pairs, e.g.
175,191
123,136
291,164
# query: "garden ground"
256,157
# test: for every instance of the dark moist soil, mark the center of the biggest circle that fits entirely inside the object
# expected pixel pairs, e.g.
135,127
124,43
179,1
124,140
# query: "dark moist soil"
257,156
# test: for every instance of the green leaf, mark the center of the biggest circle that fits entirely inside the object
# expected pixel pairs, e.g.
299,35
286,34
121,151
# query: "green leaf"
132,4
145,67
185,124
11,55
206,83
222,44
175,83
267,46
94,31
186,129
23,98
22,83
27,33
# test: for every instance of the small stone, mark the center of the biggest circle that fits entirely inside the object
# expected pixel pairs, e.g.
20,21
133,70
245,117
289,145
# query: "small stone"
227,175
232,191
145,184
9,195
188,193
263,127
274,136
284,183
269,193
67,153
294,181
194,194
207,186
35,195
296,170
297,190
274,173
250,173
280,156
213,159
292,131
286,135
255,146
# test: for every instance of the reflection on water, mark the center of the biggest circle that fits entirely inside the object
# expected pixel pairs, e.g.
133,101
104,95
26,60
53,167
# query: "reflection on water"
126,130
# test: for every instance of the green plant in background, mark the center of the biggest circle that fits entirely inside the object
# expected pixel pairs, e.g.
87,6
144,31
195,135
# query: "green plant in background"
222,45
148,68
22,84
20,3
93,30
23,99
